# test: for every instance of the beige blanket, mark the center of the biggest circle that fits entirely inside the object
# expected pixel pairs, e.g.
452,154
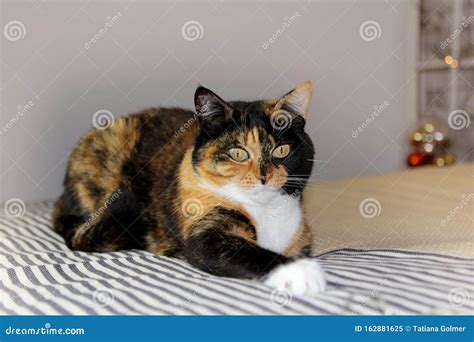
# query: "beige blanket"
426,209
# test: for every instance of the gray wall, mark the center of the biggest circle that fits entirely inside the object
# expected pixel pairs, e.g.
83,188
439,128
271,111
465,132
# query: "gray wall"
54,78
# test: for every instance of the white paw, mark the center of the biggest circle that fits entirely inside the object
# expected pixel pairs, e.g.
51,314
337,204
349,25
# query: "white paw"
301,277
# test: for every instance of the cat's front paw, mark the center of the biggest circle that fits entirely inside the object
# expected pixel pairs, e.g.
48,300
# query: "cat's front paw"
301,277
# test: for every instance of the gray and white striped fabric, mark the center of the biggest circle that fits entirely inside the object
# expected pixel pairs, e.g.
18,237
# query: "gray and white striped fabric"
39,275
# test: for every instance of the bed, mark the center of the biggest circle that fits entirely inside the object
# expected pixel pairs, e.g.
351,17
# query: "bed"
404,259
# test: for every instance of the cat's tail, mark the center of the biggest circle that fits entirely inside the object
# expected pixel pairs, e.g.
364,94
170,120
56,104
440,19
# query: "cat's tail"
117,225
67,216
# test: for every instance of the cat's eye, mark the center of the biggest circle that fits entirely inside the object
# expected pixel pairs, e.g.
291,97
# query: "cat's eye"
281,151
238,154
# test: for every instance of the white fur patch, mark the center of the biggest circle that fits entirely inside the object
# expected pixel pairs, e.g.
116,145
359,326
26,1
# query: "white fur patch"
277,216
301,277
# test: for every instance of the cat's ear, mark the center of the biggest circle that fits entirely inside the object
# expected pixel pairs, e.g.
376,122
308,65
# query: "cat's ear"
209,106
298,100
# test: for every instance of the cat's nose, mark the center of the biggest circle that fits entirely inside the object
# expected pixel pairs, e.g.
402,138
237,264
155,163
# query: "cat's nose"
264,178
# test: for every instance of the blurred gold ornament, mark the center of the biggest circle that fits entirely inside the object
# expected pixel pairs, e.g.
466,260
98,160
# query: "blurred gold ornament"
429,127
439,161
444,160
430,140
417,136
448,60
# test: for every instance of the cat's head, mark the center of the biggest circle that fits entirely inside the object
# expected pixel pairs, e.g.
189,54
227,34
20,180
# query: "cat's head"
254,145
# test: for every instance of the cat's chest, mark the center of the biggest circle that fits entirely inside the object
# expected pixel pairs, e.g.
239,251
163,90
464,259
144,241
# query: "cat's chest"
277,222
276,216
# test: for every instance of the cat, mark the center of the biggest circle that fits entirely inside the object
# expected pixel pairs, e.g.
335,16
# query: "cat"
220,187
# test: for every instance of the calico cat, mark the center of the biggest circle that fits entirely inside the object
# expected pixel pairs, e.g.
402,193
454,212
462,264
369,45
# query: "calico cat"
220,188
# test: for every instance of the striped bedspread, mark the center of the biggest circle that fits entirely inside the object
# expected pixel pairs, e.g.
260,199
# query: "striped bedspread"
39,275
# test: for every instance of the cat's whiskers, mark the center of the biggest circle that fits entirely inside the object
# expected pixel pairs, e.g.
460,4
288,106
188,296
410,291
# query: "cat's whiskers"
309,180
302,177
314,184
318,160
